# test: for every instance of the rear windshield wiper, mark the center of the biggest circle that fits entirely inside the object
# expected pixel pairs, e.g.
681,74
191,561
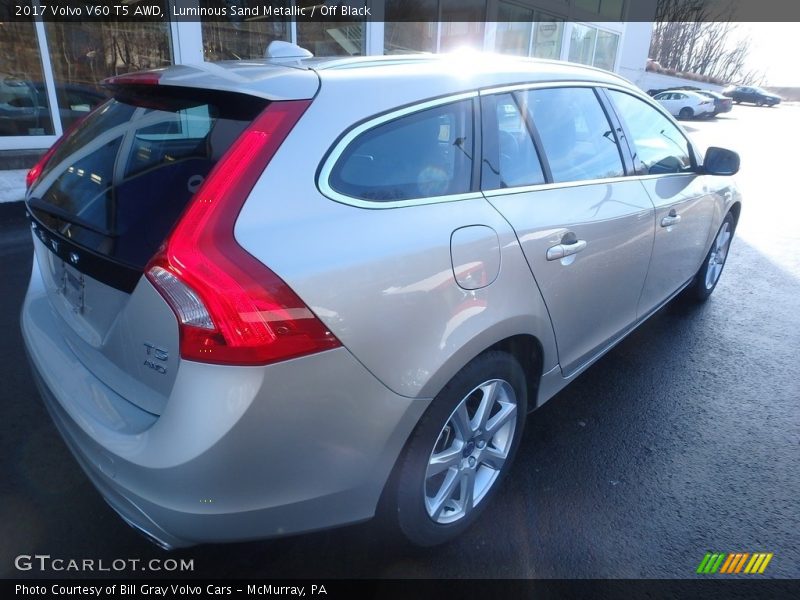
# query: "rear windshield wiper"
67,217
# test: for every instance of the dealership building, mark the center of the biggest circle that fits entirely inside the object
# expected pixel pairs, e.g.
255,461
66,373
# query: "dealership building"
49,70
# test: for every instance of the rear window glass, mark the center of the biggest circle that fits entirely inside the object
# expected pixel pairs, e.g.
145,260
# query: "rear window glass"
420,155
118,183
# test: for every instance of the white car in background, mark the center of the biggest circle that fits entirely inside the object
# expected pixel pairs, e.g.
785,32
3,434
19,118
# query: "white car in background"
685,104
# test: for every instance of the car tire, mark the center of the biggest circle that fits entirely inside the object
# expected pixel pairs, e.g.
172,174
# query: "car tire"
460,451
685,113
706,279
759,103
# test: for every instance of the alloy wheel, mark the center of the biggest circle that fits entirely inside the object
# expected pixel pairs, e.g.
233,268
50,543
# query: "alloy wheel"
719,252
470,451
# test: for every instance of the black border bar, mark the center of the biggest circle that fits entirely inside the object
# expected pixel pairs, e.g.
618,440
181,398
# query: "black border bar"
416,589
84,11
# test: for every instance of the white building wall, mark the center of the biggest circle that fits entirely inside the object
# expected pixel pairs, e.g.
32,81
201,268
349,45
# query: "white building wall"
635,47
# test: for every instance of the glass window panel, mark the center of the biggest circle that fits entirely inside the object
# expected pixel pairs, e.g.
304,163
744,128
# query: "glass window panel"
423,154
659,145
117,183
404,38
577,138
606,51
332,38
402,35
463,23
24,108
611,9
83,54
514,29
241,38
581,44
547,37
518,162
592,6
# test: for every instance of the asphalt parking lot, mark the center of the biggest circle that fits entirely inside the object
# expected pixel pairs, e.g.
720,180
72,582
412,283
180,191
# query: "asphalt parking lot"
684,439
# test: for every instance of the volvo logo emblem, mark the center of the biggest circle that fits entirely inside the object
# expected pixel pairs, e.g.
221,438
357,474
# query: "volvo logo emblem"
74,258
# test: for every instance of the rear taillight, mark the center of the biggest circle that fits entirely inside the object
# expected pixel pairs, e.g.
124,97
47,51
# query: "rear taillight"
34,174
231,308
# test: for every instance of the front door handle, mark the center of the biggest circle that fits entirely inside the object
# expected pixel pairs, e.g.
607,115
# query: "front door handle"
671,219
560,251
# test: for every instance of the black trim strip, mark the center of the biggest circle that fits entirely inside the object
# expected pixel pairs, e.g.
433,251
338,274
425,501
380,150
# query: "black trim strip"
101,268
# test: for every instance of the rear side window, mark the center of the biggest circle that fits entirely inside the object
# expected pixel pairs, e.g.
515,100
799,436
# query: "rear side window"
577,138
509,154
119,182
419,155
658,145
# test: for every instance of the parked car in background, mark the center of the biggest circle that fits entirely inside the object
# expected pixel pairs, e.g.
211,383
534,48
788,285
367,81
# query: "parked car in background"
722,104
226,365
753,95
685,104
25,109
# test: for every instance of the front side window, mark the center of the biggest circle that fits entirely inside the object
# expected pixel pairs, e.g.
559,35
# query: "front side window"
577,138
659,146
419,155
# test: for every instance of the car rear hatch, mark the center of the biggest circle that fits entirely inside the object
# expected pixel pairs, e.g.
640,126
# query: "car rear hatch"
104,199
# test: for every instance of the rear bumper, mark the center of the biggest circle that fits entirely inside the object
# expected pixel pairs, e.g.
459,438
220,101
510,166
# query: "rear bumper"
238,453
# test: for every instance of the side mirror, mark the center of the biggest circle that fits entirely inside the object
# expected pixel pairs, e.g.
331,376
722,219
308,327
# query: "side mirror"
719,161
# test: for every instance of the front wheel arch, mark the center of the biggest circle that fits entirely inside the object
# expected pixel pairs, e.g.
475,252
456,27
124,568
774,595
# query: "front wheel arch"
705,280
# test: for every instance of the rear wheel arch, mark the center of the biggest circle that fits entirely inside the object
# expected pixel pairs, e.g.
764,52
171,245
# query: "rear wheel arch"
399,509
527,348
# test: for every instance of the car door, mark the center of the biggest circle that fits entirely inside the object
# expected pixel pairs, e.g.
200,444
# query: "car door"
684,203
557,175
678,102
667,101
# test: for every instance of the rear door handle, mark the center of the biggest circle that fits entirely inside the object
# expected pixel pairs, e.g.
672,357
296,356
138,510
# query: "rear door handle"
560,251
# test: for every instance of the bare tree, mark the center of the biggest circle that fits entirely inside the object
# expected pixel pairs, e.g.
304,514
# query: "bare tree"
690,36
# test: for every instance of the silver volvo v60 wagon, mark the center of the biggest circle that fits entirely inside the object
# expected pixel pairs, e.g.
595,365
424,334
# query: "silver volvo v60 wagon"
273,296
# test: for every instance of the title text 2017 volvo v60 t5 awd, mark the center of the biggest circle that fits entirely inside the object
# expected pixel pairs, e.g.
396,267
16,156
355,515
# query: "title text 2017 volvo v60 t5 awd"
274,296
